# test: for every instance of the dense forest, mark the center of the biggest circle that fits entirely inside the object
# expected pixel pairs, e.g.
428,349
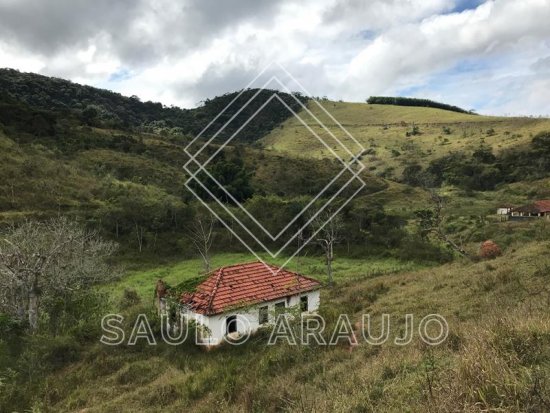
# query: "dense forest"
106,109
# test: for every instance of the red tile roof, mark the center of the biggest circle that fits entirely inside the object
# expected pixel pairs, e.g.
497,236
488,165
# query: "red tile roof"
244,284
536,207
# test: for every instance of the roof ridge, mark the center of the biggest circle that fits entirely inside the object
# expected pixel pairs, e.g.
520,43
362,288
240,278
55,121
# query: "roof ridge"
215,289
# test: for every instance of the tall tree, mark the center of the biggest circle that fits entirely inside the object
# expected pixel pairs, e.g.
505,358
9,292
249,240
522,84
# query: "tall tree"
432,220
48,259
328,235
201,234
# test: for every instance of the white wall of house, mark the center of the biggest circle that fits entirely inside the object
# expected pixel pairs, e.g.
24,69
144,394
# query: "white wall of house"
248,318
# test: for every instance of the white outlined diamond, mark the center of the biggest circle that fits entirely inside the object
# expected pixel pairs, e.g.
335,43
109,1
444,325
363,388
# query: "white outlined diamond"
347,167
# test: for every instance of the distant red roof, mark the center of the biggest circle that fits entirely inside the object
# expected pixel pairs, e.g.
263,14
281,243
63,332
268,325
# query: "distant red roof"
244,284
541,206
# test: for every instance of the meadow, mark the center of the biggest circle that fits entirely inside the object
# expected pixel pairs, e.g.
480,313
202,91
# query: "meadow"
386,134
346,269
114,165
496,356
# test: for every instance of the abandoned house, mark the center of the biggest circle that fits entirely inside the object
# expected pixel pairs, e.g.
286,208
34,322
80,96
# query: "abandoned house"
241,298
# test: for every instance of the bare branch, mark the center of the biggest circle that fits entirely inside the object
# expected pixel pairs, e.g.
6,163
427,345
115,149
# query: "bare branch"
201,234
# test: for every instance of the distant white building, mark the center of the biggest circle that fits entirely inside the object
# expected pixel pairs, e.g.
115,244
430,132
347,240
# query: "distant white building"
504,210
241,298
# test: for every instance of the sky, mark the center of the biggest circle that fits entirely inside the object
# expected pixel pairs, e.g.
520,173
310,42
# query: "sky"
491,56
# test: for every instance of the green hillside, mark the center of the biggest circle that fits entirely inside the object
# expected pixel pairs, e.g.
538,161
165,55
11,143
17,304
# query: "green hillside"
106,109
497,356
382,130
115,165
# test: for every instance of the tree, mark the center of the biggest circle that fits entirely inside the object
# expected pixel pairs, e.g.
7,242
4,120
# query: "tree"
328,234
90,114
432,220
231,174
201,235
40,260
489,250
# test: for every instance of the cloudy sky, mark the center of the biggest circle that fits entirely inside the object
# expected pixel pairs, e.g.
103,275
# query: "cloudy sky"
492,56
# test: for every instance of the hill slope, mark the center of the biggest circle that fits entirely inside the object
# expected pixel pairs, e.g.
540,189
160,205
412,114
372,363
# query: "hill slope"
103,108
496,357
382,130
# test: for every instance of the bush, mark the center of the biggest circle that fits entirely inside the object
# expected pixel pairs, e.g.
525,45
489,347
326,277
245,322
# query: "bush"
130,298
9,326
418,249
77,314
489,250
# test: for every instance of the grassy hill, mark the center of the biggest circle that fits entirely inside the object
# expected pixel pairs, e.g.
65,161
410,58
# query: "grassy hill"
382,131
115,164
497,356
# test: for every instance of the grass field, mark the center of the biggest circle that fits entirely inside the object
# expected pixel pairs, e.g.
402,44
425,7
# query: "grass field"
381,130
345,269
496,357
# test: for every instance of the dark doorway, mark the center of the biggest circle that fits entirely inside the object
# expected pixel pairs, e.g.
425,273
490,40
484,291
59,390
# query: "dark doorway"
231,324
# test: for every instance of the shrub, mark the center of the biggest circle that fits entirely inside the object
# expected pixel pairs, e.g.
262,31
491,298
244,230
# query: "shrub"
130,298
489,250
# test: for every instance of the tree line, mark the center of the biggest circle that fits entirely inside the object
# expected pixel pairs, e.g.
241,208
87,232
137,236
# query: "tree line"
404,101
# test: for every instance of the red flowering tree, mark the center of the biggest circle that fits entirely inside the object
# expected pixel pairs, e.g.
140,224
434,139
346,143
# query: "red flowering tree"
489,250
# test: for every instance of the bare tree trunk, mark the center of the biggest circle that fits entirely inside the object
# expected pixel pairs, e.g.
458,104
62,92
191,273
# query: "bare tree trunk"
300,240
206,262
454,245
20,300
139,234
330,227
202,236
329,272
33,309
330,258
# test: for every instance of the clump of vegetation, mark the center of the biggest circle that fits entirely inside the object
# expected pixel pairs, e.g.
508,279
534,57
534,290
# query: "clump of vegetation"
482,170
489,250
43,263
415,130
130,298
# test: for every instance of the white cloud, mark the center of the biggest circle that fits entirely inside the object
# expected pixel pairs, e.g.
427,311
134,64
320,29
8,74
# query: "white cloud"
13,57
409,54
181,53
